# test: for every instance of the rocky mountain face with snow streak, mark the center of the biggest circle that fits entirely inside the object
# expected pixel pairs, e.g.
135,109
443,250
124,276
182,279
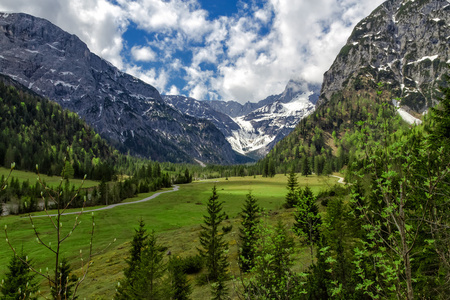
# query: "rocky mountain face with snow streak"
253,129
403,44
126,111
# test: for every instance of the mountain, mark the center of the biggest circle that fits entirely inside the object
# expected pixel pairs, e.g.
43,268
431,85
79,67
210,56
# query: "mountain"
329,138
202,110
253,129
128,112
403,44
35,131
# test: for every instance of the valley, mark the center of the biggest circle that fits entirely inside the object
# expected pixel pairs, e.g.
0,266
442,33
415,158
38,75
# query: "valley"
165,176
175,217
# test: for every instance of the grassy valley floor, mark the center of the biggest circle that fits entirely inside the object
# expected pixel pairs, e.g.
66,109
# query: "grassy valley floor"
175,217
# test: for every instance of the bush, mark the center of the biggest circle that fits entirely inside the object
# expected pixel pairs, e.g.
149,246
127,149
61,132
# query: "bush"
227,229
192,264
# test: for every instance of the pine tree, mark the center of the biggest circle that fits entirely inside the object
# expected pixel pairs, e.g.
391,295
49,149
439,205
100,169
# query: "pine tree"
66,282
214,247
133,262
248,233
306,168
292,195
20,282
179,285
148,282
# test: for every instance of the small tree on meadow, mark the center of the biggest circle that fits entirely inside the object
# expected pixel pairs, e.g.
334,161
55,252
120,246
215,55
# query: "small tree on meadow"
292,195
20,281
248,233
214,248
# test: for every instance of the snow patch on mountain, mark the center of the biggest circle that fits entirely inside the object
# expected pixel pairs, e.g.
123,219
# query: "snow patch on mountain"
261,127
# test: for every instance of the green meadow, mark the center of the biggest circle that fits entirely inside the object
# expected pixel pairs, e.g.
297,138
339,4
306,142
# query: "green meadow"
175,217
49,180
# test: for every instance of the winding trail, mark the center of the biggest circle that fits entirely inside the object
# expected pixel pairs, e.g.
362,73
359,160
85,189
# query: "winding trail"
175,188
341,179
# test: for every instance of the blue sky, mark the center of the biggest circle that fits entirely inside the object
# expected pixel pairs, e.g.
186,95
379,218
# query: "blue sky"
210,49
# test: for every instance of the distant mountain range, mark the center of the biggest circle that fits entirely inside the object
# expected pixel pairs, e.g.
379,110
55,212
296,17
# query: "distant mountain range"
253,129
128,112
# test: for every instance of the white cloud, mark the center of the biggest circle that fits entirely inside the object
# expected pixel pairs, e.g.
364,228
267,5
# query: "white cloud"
173,91
248,56
143,53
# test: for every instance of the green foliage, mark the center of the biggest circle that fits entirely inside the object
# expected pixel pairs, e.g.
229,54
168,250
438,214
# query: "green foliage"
271,276
307,218
292,197
214,247
191,264
34,131
440,133
180,289
248,233
144,275
20,281
66,282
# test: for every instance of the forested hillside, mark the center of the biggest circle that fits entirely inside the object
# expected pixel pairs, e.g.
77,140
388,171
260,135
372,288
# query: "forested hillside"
34,130
325,141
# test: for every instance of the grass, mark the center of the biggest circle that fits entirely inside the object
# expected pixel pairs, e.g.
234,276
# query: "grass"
50,180
175,217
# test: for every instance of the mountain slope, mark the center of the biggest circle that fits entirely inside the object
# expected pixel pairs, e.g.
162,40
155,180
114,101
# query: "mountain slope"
326,139
277,115
34,131
403,44
253,128
125,110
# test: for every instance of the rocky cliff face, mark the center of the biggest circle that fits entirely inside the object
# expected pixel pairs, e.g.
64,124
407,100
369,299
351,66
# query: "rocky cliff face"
123,109
403,44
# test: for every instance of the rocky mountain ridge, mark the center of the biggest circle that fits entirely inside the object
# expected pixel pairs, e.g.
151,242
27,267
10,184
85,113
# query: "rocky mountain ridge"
123,109
253,129
403,44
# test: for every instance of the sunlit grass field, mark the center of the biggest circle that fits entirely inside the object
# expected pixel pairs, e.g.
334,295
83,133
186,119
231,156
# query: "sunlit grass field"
175,217
49,180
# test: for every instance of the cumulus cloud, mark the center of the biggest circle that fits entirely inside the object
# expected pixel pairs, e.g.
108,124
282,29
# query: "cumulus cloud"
246,56
143,53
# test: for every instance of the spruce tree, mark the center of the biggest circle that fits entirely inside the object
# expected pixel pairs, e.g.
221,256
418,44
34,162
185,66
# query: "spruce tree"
306,168
180,289
248,233
292,195
20,282
66,282
133,262
212,241
148,284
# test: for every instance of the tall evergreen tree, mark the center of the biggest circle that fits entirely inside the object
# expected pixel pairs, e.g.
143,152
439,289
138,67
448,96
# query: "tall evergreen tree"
133,262
19,282
248,233
212,241
306,168
148,284
292,195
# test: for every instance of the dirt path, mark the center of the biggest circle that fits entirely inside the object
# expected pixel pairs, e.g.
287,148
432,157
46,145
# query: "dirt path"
175,188
341,179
